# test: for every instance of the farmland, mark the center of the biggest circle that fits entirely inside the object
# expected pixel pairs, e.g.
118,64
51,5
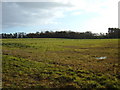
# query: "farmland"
60,63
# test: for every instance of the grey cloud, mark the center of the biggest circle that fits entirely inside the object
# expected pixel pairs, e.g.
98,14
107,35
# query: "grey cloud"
29,13
0,16
43,5
28,0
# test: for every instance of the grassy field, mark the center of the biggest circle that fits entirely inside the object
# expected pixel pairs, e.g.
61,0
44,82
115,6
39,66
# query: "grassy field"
60,63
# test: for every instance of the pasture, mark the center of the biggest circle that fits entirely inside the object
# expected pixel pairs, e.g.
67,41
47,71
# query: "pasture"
60,63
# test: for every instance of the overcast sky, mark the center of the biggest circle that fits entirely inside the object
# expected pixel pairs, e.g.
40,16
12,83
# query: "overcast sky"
76,15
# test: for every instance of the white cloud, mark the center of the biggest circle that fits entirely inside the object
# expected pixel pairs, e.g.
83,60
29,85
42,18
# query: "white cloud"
108,17
76,13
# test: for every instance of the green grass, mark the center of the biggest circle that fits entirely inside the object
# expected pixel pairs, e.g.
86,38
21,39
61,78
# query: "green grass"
60,63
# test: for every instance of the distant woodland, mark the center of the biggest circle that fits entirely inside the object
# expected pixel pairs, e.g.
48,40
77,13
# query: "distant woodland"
112,33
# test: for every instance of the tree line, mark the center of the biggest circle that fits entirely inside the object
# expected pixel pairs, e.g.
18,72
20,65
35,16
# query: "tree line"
112,33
